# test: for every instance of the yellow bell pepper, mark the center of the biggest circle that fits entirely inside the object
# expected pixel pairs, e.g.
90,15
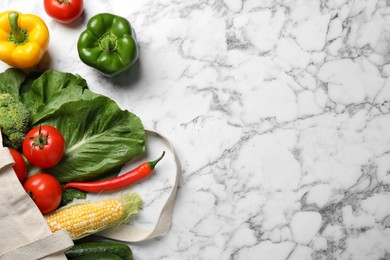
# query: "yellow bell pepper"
24,38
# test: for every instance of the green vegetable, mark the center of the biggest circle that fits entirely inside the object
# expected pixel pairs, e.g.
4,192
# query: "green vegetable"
101,256
11,82
51,90
99,136
69,195
99,247
14,120
108,44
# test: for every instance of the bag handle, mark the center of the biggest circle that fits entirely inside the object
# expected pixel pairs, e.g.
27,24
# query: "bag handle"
128,233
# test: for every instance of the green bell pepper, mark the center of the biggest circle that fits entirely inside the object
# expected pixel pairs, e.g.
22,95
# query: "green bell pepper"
108,44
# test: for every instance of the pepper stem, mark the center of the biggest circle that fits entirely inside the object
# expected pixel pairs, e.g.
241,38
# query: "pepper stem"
17,35
152,164
108,42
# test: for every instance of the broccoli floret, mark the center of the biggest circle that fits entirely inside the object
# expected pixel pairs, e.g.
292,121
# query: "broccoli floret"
14,120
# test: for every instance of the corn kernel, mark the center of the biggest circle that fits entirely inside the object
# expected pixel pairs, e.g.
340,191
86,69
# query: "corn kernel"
86,218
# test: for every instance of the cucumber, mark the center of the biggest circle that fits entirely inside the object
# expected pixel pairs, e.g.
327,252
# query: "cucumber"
100,256
98,247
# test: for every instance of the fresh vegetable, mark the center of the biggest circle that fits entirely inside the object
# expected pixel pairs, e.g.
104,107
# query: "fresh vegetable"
142,171
82,219
14,120
49,91
121,250
45,190
64,11
108,44
24,38
20,166
101,256
106,138
44,146
100,137
70,194
12,82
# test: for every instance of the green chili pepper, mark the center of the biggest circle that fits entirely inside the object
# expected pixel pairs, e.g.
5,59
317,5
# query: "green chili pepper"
108,44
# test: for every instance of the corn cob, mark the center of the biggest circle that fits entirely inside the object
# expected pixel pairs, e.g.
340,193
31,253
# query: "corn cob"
82,219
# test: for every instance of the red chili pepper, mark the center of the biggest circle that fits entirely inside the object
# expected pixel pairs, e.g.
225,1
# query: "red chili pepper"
142,171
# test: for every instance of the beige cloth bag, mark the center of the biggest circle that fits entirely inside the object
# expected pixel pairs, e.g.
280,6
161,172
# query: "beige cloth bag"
25,234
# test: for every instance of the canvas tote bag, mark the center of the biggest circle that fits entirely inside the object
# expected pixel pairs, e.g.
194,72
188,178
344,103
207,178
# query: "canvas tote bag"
23,230
25,234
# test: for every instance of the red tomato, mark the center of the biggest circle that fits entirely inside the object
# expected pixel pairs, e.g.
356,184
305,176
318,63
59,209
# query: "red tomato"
44,146
45,190
64,11
19,167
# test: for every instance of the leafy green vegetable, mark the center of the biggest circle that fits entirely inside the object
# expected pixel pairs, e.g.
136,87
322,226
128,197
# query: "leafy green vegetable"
11,81
99,136
52,89
14,120
69,195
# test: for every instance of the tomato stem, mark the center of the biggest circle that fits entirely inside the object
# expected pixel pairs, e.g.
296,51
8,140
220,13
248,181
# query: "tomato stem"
41,140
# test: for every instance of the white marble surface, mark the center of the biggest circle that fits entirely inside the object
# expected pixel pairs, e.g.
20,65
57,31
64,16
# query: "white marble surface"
279,112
